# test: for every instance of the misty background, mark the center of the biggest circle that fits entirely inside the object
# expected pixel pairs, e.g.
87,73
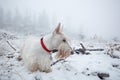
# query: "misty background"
80,18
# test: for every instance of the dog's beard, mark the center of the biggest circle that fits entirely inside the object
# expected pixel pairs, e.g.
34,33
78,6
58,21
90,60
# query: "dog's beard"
64,51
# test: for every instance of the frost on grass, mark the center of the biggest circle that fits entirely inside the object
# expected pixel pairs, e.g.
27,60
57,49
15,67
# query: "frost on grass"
98,65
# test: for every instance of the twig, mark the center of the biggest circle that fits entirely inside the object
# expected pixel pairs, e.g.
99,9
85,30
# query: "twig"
83,50
95,49
18,75
83,47
57,61
11,45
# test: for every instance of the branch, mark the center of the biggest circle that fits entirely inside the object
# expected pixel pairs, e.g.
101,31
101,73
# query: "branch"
83,47
11,45
95,49
57,61
83,50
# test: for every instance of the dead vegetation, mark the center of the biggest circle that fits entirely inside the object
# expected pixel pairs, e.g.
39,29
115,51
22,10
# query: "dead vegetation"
7,53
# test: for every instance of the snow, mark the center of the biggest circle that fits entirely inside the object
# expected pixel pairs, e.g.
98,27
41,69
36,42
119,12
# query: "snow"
75,67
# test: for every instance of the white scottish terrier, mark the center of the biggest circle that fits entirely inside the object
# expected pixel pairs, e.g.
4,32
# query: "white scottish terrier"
36,53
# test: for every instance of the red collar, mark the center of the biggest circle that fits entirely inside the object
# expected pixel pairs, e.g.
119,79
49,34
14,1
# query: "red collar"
44,47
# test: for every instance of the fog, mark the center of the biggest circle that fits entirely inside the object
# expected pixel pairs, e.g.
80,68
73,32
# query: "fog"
86,17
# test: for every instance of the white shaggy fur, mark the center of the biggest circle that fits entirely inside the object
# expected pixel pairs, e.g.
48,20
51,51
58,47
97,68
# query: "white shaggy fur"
63,51
35,57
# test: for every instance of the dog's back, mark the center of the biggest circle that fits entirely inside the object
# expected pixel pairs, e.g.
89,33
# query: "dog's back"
33,54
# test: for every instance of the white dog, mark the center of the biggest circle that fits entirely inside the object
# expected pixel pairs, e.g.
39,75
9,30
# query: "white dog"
36,53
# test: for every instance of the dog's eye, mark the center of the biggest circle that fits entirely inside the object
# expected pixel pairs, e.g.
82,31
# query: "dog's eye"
64,40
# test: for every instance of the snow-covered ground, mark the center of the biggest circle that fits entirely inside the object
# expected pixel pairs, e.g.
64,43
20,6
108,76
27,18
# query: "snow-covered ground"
94,66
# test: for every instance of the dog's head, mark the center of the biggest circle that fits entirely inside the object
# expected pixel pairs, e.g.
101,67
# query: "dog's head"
58,37
60,41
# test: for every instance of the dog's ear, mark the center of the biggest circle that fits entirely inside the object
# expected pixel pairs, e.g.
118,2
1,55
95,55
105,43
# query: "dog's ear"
57,29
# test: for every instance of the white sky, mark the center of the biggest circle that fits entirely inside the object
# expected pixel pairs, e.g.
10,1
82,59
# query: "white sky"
101,17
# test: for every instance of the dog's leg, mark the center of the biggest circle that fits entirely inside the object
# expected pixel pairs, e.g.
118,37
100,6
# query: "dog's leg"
30,62
48,67
33,67
45,64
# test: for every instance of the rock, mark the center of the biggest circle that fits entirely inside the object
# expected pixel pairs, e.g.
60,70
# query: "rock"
115,65
19,58
87,68
87,53
10,56
103,75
